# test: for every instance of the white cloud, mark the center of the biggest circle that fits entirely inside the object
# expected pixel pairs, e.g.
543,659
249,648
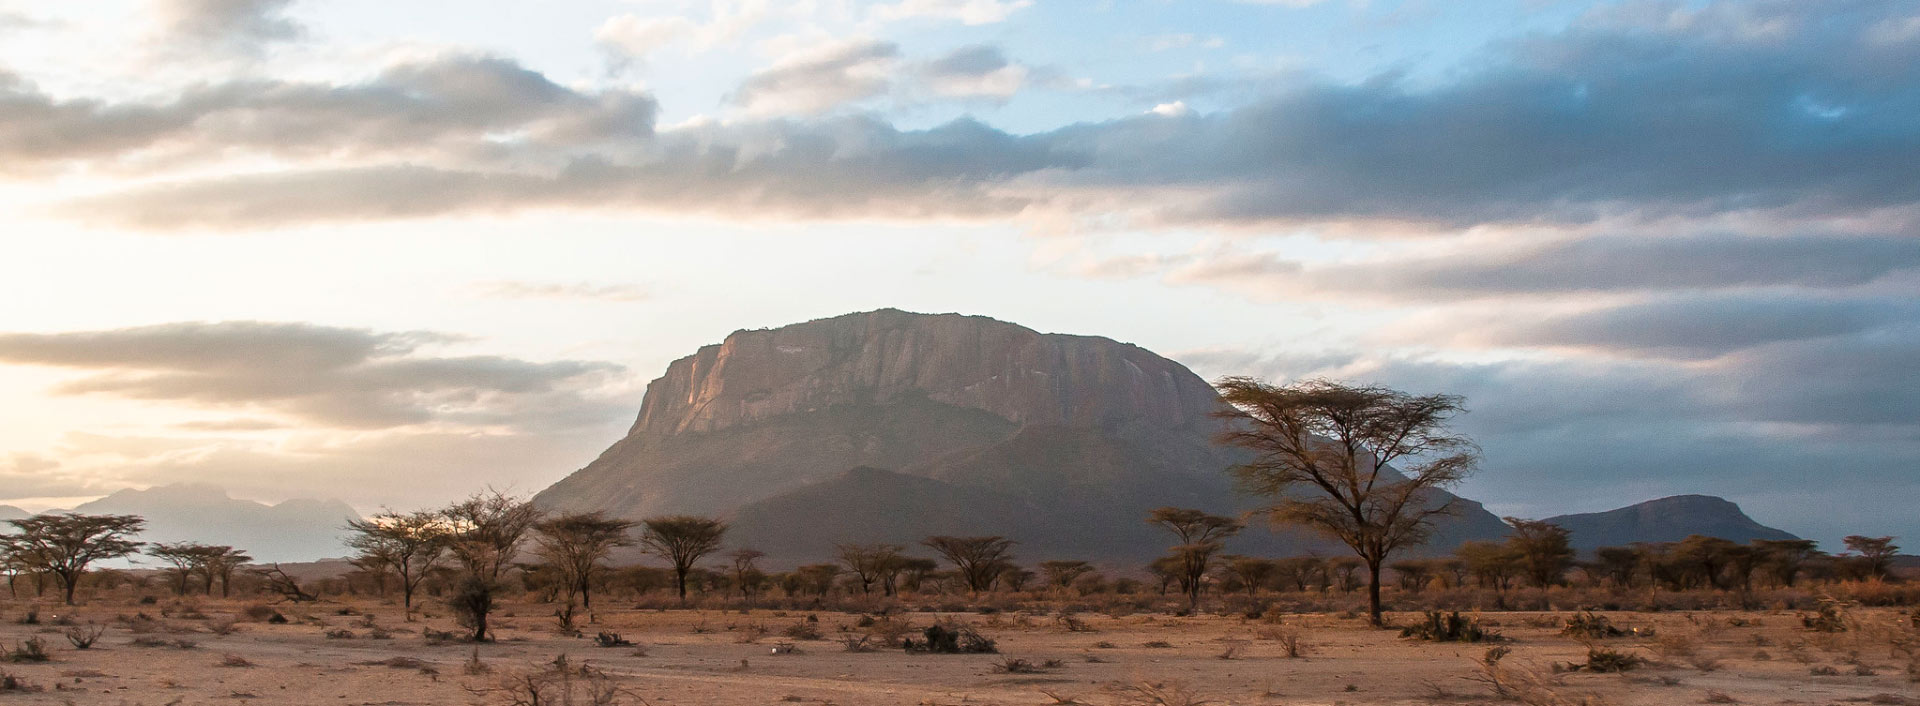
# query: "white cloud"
970,12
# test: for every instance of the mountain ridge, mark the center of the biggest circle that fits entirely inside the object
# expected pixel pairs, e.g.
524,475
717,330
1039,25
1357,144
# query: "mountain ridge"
1666,519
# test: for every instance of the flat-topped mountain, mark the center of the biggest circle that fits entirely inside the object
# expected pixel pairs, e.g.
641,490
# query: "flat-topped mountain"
1669,519
888,426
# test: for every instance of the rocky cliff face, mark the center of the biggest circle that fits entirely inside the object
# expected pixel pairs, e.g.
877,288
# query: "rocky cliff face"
1062,442
888,356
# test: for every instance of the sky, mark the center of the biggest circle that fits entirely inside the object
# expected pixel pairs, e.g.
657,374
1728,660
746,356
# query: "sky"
392,253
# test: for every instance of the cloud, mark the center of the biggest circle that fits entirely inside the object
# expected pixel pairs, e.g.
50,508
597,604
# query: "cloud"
243,26
1690,117
975,71
470,111
551,290
1701,327
338,377
819,78
1567,266
969,12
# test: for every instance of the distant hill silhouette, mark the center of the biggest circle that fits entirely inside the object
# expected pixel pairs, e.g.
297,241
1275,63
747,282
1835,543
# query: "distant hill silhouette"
295,530
1669,519
1061,442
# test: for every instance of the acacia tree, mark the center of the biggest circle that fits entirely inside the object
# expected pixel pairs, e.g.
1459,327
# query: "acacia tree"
1061,573
220,563
483,534
1338,442
980,560
64,545
870,563
682,540
1253,572
747,575
1876,554
410,545
1200,536
1783,559
186,558
1545,550
574,545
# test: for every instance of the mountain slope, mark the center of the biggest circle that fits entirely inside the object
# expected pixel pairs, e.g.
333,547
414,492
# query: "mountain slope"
1061,442
1669,519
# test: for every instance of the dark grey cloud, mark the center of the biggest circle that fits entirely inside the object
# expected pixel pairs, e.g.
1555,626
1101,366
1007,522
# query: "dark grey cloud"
1704,326
1619,117
448,110
334,376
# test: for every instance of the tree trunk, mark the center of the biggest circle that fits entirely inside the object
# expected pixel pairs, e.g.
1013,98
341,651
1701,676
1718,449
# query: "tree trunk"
71,583
1373,593
680,581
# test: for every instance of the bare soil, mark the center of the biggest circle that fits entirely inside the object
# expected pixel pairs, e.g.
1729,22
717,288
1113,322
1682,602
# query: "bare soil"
707,657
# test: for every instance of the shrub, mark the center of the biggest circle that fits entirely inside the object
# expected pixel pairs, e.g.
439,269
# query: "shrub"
611,639
804,630
1609,661
84,637
1452,627
32,649
1829,616
1590,625
959,639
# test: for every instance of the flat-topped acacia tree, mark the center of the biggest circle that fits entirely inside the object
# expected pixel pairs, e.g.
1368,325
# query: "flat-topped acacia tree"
682,540
66,544
1322,452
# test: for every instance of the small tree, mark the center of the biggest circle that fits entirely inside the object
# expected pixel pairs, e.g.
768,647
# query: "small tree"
483,534
978,559
1061,573
1413,574
185,558
1544,548
64,545
409,545
870,563
1782,560
682,540
747,575
1876,554
1253,572
575,544
1200,537
1339,442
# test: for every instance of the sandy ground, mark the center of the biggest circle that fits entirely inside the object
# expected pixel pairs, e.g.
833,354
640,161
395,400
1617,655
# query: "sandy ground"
693,657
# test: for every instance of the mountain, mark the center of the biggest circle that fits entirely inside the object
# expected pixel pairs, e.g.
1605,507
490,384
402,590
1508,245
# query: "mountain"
889,426
9,512
1669,519
295,530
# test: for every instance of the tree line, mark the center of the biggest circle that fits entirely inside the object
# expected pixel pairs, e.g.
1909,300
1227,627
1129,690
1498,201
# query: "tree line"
1364,466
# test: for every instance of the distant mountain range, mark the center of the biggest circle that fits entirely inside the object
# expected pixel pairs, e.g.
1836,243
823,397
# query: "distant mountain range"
1669,519
295,530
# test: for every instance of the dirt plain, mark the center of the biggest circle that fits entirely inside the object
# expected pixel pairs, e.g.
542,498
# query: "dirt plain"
365,653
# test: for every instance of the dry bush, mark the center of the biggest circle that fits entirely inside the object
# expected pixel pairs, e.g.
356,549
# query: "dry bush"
1068,622
557,684
951,639
611,639
1718,697
1439,627
858,643
1233,650
1157,645
233,660
83,637
1526,685
1289,639
804,630
750,633
1829,616
12,684
32,649
1021,665
1591,626
1156,693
